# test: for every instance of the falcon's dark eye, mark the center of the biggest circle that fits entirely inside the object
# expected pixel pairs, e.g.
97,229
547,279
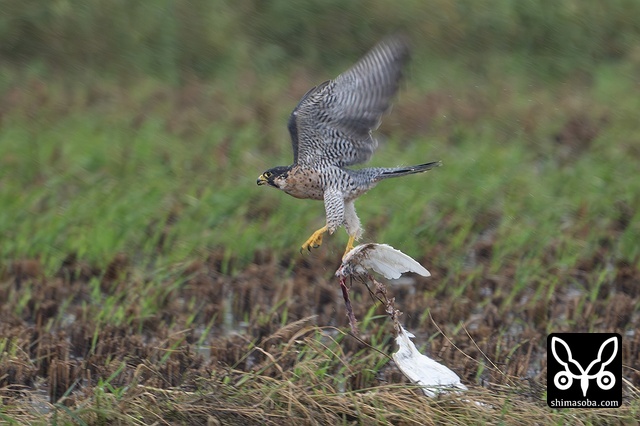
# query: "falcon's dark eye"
267,174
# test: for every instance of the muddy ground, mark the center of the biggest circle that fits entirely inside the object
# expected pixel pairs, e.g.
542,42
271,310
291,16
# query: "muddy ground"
56,344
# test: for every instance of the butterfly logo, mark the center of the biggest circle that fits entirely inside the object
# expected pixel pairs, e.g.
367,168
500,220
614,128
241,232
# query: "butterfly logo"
563,380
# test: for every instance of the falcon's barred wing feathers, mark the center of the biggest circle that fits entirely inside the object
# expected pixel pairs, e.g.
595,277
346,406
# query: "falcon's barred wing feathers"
332,123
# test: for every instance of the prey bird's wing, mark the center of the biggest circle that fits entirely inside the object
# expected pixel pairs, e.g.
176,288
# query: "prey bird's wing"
332,124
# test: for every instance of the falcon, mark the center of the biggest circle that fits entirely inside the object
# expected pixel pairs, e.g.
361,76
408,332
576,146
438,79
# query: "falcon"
331,129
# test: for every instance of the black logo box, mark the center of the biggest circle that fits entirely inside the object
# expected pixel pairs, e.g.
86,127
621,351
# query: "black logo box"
584,370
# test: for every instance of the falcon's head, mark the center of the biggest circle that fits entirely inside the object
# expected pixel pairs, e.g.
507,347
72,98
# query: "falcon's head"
276,177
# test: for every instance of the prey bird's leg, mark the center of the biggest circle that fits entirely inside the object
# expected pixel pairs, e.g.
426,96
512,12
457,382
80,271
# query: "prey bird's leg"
347,302
315,240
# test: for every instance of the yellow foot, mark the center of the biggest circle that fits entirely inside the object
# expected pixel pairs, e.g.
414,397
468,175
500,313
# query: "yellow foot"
349,246
315,240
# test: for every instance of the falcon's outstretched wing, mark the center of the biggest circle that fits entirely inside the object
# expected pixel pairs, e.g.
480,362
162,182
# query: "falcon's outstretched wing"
332,124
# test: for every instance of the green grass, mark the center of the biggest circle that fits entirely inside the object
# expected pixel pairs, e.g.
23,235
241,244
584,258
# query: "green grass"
138,173
176,39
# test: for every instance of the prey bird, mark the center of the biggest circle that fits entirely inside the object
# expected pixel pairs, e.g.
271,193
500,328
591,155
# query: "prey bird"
331,130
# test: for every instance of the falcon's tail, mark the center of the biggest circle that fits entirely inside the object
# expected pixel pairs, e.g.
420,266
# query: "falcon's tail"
403,171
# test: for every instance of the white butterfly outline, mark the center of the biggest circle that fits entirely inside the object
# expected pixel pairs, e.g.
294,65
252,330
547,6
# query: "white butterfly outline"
584,376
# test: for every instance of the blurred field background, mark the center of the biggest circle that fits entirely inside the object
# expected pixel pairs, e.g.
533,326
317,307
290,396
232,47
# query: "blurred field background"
144,277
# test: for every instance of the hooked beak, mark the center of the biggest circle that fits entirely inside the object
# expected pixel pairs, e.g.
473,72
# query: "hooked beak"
262,180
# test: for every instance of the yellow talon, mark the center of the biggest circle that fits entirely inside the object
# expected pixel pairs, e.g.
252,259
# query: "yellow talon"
315,240
349,245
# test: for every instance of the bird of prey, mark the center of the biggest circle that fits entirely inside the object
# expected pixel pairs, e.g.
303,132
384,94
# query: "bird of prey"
331,129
